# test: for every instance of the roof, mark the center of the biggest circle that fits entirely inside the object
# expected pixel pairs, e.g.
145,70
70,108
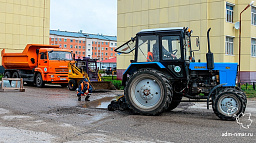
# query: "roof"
102,37
67,34
82,35
112,60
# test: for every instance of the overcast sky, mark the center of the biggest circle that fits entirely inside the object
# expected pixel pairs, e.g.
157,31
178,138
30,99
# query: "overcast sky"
91,16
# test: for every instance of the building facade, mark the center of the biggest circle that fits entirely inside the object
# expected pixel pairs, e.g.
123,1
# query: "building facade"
95,46
198,15
23,22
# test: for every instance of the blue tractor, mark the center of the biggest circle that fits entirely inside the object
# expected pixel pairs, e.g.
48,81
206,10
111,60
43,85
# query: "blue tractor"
164,71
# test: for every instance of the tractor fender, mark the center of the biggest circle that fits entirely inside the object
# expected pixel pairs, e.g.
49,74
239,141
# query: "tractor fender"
209,95
133,67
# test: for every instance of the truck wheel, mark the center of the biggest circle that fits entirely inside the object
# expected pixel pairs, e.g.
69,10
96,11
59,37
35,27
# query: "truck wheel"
15,75
176,99
148,92
72,85
7,74
229,103
39,80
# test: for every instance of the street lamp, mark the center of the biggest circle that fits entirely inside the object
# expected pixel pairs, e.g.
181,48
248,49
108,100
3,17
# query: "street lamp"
240,29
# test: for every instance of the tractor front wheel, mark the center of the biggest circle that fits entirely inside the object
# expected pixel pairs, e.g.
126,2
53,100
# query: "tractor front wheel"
229,104
72,85
148,92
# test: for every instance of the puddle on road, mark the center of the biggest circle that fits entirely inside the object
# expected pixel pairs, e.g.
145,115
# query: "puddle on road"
100,103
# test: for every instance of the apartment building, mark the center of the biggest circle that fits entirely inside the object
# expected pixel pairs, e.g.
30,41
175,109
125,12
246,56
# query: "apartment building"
96,46
198,15
22,23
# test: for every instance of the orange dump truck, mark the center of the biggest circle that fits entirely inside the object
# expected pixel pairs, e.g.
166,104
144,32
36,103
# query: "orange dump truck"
38,64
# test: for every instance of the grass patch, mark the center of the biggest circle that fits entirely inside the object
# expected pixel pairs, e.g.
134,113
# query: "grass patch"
115,82
249,91
1,76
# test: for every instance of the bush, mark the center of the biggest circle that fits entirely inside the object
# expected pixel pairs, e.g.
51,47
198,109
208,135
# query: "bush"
118,84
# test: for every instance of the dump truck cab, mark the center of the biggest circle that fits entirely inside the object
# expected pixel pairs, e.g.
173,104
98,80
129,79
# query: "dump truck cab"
164,70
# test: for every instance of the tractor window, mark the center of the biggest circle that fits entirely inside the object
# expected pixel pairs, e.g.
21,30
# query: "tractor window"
171,48
148,50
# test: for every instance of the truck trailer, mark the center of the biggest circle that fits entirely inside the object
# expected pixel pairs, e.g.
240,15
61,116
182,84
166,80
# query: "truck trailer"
38,64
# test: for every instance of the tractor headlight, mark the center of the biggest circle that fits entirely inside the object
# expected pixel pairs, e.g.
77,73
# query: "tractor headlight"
213,77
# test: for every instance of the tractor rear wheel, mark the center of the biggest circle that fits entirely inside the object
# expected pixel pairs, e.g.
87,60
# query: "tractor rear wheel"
229,103
148,92
176,99
72,85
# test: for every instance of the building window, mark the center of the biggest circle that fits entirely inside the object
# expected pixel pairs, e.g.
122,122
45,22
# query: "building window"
106,49
95,48
111,54
102,43
59,39
106,58
106,54
52,39
229,14
65,46
76,52
83,47
89,55
71,40
83,41
79,47
102,59
56,39
76,47
65,40
83,53
76,41
89,49
115,54
102,54
115,44
253,47
89,44
71,46
111,44
229,45
253,15
102,48
111,49
95,53
79,41
106,43
52,44
60,45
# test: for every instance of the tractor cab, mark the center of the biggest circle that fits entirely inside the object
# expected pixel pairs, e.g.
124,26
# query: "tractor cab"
169,47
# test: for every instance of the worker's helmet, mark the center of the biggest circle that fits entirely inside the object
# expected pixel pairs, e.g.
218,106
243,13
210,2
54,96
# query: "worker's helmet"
86,80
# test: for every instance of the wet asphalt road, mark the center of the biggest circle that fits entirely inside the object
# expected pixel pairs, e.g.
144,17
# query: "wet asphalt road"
53,114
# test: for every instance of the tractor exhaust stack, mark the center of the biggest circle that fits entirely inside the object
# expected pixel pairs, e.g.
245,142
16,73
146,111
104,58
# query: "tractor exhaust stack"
209,55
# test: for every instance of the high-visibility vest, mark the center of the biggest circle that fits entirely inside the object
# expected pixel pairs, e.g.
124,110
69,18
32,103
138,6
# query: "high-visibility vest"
82,87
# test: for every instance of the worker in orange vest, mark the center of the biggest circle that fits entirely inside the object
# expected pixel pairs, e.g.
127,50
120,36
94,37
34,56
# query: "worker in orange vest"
84,89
